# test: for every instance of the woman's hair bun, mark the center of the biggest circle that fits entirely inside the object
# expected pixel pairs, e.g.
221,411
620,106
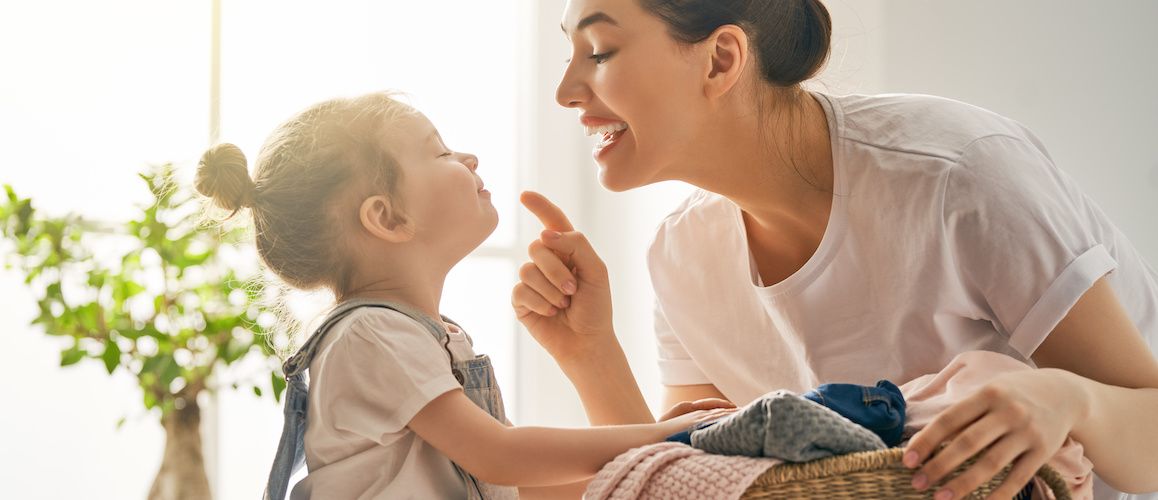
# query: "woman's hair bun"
223,176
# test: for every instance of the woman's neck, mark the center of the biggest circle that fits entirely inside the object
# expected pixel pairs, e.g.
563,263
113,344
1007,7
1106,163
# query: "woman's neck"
782,175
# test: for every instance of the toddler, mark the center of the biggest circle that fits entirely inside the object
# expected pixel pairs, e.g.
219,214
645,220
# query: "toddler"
362,197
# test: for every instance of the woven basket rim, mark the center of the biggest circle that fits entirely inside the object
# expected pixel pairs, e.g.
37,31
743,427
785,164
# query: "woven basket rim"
865,461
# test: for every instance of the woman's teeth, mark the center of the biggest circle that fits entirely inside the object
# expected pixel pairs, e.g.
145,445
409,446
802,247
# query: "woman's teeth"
606,129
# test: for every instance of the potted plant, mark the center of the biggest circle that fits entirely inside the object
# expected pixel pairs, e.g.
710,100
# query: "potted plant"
160,297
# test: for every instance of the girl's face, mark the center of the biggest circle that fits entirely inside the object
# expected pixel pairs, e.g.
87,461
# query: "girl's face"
442,194
636,89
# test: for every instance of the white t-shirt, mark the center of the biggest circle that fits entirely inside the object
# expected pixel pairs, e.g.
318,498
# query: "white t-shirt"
372,373
951,230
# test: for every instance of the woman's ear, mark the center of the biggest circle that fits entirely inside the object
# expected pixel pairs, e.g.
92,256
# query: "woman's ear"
728,55
384,220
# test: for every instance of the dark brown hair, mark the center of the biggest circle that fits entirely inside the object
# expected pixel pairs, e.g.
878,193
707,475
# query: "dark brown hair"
790,38
302,176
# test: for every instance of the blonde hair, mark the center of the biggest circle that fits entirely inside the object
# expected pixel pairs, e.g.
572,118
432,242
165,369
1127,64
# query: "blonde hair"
303,173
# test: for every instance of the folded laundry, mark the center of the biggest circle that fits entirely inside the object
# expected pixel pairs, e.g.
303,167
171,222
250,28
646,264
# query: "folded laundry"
675,470
880,409
786,426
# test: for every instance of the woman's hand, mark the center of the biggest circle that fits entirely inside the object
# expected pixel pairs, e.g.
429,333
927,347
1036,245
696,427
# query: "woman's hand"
563,297
1022,418
685,407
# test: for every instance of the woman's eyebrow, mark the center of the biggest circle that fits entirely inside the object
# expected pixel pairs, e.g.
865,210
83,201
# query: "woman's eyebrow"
598,17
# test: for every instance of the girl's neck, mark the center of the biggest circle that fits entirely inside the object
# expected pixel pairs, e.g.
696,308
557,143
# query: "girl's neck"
413,286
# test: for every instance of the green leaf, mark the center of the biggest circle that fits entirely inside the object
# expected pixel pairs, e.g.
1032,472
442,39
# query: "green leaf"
170,370
111,356
71,356
257,391
278,386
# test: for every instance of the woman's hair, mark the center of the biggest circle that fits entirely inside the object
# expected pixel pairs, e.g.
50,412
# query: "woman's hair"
789,37
308,169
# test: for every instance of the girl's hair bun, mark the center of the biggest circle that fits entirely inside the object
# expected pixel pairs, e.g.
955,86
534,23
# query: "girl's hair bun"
223,176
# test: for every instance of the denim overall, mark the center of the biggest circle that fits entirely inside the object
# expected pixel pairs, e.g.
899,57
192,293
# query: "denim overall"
476,376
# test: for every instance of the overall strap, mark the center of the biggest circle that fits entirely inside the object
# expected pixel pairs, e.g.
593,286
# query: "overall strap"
290,455
300,361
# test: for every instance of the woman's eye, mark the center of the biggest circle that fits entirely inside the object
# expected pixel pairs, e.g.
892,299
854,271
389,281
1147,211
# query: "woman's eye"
444,155
603,57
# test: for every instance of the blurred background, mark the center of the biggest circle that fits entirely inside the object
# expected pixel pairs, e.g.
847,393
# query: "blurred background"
93,92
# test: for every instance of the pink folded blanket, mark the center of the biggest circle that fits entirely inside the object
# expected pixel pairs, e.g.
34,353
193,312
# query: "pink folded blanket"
676,471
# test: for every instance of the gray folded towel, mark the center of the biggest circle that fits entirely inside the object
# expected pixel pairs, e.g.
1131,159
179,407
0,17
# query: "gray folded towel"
786,426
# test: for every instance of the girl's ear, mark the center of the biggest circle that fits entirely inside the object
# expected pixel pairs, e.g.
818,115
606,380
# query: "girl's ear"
728,55
384,220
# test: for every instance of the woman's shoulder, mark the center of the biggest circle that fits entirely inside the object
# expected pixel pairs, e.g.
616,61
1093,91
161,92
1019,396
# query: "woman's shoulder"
921,125
702,216
700,206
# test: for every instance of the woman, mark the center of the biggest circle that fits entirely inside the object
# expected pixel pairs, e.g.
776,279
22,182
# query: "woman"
843,239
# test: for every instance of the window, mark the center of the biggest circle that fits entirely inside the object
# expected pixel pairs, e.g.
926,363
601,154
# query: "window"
109,87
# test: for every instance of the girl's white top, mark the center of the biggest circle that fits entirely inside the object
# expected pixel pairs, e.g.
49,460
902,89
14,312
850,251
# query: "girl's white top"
951,230
373,372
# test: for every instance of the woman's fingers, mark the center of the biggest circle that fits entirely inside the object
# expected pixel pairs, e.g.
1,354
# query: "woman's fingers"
700,404
987,466
968,443
548,213
574,250
548,275
526,300
946,424
1022,474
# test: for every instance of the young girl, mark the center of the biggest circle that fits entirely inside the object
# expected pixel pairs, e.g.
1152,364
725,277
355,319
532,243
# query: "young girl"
361,196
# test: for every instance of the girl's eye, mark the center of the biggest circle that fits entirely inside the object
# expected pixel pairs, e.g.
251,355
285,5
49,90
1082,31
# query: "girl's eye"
444,155
602,58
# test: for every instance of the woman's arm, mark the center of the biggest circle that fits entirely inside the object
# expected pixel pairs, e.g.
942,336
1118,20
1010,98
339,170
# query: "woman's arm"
1117,380
531,456
1099,384
564,300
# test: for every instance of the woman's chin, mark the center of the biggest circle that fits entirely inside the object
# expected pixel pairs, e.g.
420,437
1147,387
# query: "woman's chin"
620,179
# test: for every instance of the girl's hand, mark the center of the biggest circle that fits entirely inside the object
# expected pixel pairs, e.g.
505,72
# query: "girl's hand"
564,296
1021,418
686,421
685,407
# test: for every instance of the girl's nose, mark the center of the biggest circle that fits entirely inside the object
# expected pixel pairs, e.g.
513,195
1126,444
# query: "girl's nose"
471,162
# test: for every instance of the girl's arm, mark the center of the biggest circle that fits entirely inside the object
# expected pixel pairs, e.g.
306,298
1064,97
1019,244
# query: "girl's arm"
531,456
1099,384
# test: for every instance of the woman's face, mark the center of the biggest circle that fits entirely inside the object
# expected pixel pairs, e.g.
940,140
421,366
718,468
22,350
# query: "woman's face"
636,89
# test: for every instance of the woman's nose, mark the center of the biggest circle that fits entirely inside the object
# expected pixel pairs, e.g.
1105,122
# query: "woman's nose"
572,91
471,162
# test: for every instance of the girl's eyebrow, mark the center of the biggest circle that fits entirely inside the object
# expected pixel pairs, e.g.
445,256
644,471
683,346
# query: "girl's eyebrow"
436,139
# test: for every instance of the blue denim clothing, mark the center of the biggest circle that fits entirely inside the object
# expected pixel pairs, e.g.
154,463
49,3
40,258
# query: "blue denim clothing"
880,409
685,437
476,376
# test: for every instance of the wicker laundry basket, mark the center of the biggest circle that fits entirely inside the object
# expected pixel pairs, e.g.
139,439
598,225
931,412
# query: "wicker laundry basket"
870,474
